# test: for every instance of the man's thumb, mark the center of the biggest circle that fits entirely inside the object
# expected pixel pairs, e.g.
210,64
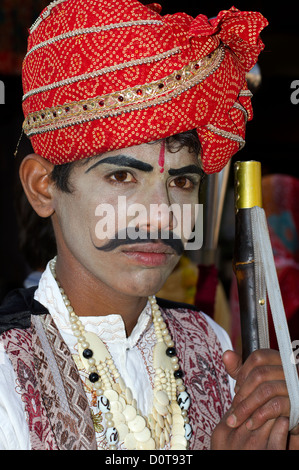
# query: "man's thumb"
233,363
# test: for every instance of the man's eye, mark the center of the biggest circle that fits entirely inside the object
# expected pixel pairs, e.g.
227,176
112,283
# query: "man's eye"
122,176
182,182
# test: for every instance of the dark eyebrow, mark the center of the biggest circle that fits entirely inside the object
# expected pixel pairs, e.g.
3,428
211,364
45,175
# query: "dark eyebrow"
185,169
123,160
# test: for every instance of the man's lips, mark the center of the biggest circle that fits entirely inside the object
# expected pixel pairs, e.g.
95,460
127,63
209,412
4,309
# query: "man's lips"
151,254
156,248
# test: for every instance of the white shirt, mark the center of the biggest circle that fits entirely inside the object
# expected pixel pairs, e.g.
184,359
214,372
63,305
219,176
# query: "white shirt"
132,357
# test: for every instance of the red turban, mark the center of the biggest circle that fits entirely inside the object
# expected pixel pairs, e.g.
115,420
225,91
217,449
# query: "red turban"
102,75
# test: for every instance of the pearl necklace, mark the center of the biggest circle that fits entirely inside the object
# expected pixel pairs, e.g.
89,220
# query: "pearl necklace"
168,421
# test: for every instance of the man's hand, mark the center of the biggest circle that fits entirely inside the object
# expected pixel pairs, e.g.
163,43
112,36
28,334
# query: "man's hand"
258,418
261,391
271,436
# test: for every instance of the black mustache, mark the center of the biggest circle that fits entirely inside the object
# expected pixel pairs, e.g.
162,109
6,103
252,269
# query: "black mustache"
128,236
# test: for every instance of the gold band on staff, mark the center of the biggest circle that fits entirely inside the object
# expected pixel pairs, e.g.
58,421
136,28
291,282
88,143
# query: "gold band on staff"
248,188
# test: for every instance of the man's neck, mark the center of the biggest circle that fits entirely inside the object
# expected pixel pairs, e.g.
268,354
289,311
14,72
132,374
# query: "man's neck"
90,297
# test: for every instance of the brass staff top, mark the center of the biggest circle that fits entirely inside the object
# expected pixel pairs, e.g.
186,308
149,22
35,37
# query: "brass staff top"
248,184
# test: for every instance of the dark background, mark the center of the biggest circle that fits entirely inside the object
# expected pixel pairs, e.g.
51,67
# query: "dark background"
272,137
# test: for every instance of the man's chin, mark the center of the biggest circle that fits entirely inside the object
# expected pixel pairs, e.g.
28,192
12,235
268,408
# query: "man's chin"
147,282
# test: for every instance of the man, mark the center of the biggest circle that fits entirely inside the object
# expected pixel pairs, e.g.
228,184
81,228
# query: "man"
91,360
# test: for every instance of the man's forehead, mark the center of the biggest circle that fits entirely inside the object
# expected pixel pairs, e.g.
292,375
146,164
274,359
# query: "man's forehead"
144,153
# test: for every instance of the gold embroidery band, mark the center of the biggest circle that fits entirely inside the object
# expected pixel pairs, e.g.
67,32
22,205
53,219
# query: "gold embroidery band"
130,99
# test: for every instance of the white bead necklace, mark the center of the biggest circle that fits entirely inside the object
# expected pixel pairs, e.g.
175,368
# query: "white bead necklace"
168,421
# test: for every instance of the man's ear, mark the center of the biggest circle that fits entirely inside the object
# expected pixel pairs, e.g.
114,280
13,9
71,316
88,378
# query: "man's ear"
35,174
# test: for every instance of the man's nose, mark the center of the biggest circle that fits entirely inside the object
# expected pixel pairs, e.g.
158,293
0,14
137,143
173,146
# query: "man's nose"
158,216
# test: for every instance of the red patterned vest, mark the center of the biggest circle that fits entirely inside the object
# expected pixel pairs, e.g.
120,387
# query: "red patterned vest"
56,405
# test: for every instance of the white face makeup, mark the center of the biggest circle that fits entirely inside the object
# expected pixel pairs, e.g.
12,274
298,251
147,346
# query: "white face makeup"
147,177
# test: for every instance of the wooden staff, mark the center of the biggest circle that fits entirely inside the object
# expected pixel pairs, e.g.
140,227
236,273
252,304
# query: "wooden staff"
248,193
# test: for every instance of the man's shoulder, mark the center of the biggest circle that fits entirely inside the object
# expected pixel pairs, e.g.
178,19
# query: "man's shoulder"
17,298
17,308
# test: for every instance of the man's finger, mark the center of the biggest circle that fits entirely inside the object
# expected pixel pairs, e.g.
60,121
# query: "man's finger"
256,378
269,401
279,434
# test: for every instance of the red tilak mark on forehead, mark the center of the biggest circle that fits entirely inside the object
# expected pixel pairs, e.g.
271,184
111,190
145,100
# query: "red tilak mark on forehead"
161,160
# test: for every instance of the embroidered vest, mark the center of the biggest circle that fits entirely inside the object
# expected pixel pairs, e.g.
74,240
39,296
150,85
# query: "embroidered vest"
56,406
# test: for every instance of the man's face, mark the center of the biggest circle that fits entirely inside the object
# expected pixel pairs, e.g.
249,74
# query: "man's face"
122,191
